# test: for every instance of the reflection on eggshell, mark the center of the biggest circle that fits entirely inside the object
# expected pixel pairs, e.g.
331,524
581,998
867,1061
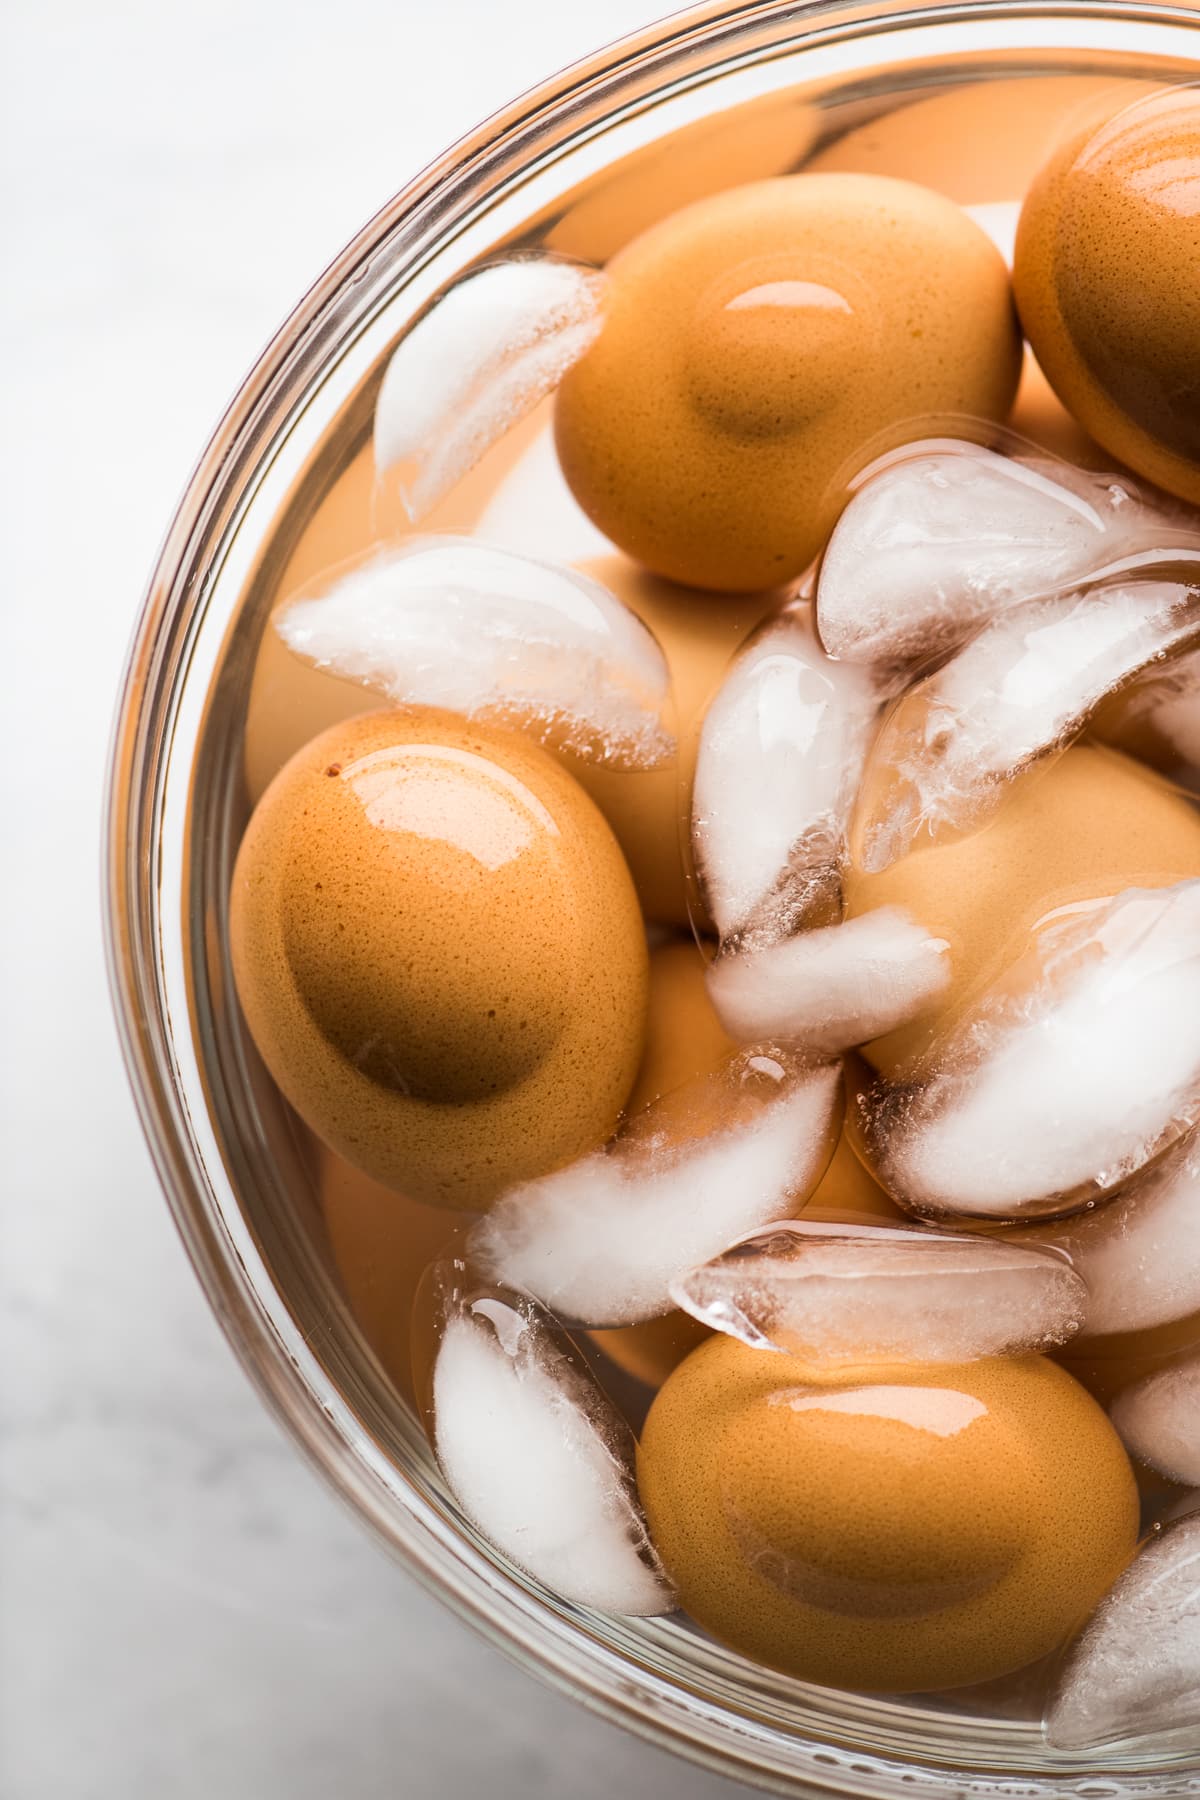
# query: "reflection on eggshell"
760,346
439,953
1106,278
893,1527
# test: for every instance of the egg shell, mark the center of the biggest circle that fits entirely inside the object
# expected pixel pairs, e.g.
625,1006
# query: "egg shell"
1106,279
1090,824
646,810
439,954
759,347
381,1243
892,1528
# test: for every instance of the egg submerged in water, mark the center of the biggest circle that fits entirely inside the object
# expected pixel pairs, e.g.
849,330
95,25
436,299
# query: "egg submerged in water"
758,347
893,1527
1107,278
439,953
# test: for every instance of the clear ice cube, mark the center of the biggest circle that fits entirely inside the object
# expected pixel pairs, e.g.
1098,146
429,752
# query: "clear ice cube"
849,1293
781,750
482,357
1136,1668
832,987
1065,1078
452,622
601,1240
1139,1252
1159,1420
538,1458
938,541
1023,687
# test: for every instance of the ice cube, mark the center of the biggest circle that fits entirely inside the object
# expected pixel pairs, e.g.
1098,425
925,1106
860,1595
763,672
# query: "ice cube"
539,1460
1138,1253
1167,698
1067,1077
938,541
1136,1668
1023,687
781,750
1159,1420
848,1293
448,621
601,1240
483,356
833,987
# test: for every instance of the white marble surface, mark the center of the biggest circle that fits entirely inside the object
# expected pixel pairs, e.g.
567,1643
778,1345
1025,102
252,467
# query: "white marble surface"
183,1609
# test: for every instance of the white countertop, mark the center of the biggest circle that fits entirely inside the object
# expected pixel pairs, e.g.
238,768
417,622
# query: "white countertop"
183,1608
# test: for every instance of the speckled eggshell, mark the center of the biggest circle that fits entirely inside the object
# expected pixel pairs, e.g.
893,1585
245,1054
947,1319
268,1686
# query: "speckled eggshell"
1107,279
1090,824
893,1528
758,347
439,954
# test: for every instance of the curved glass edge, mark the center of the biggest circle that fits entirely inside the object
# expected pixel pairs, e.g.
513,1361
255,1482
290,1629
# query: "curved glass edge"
142,733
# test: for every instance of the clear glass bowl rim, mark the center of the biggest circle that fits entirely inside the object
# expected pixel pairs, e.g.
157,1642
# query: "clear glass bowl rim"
157,668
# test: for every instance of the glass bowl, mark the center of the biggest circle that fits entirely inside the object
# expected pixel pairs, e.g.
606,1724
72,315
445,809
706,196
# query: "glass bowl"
688,106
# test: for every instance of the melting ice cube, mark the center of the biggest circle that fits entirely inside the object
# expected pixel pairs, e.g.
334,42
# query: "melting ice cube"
451,622
1138,1253
480,359
601,1241
1136,1668
935,543
1020,689
781,750
1064,1079
1159,1420
827,989
1167,697
844,1293
538,1458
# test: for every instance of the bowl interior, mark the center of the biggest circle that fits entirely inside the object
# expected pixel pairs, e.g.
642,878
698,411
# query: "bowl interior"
310,1270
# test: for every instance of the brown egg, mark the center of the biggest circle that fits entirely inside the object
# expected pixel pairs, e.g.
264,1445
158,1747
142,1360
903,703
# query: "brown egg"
1107,278
892,1527
979,142
758,347
439,953
764,136
1040,416
646,810
382,1243
1090,824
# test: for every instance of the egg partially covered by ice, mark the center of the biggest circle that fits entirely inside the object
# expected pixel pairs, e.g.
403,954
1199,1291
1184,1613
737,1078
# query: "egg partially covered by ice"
439,954
758,347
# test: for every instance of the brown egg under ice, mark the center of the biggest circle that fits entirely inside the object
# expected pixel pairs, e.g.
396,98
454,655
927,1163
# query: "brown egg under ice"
439,954
895,1528
758,347
1107,278
1089,824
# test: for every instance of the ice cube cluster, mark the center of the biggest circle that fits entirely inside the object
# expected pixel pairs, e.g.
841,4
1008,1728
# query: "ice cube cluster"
948,535
975,612
1022,688
601,1241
